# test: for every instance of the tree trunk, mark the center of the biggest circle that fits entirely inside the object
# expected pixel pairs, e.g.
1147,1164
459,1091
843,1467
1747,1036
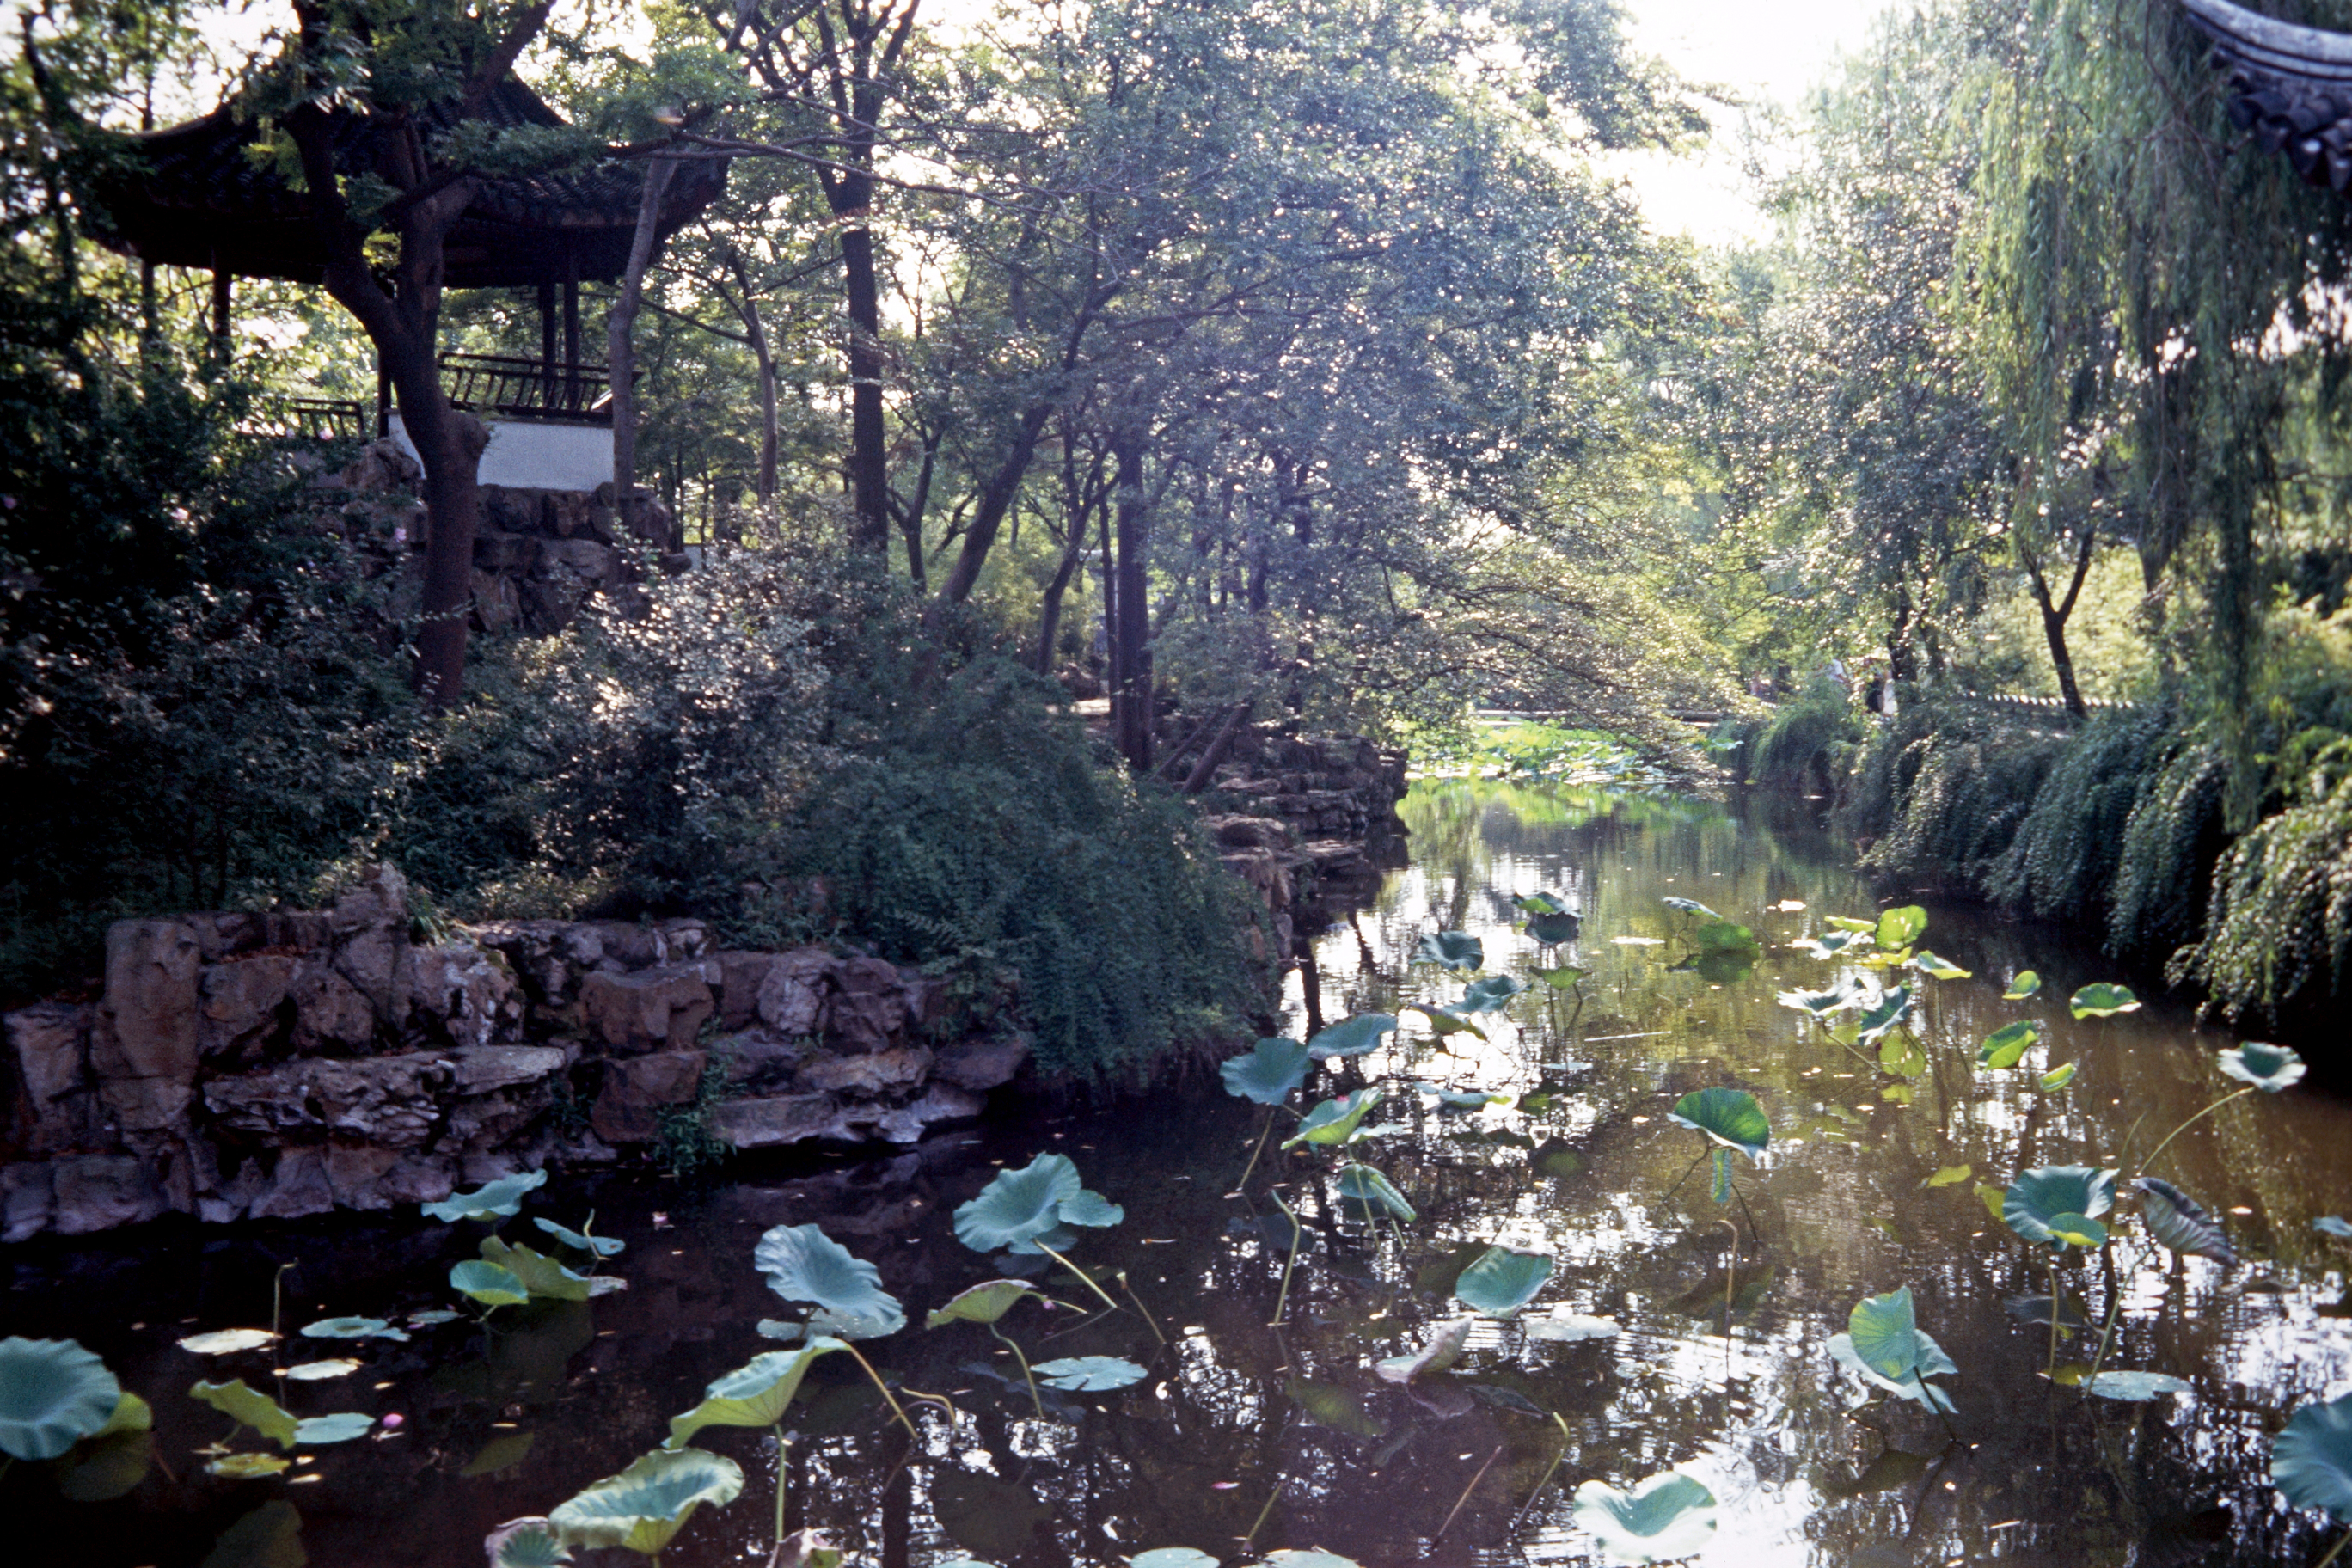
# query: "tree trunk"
763,484
2054,616
1130,697
620,342
996,499
869,468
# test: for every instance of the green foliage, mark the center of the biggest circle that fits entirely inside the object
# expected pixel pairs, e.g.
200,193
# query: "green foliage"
2279,938
1809,737
2164,866
2062,862
1943,793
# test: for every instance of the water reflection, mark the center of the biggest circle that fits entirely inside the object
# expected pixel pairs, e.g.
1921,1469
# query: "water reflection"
1247,1435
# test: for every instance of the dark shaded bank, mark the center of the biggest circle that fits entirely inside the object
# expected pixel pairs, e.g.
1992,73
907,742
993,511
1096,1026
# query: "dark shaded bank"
2133,829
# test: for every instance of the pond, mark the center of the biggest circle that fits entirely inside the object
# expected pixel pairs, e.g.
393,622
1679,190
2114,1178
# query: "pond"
1673,1332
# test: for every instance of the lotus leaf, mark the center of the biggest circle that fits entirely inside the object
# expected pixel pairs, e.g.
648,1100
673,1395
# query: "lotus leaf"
1723,937
1885,1339
2046,1195
1848,924
352,1329
1690,907
1503,1280
1171,1557
248,1466
1367,1187
1539,903
2025,985
2267,1066
2059,1077
2333,1225
1552,930
2077,1230
525,1543
2037,1309
2103,1001
433,1317
249,1408
1331,1405
1022,1209
1443,1021
601,1246
502,1199
645,1505
2311,1461
1916,1390
778,1330
983,1303
1836,944
1333,1121
1822,1003
2180,1223
319,1430
1889,1013
53,1394
1087,1373
1563,978
2007,1046
1992,1199
753,1394
228,1341
541,1275
1289,1559
1491,993
1660,1520
1570,1328
1356,1037
1454,950
1900,927
1091,1210
2136,1385
1268,1073
1440,1350
501,1453
113,1460
1937,968
1731,1116
488,1284
319,1370
804,1264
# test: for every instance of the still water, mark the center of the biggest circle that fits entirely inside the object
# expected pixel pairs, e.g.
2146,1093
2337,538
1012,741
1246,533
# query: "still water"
1250,1435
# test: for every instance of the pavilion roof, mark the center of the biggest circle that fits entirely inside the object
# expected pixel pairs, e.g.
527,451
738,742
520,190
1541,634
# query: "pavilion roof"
194,195
2291,85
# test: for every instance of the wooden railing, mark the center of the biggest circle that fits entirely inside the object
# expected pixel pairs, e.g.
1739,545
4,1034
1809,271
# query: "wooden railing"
527,388
311,419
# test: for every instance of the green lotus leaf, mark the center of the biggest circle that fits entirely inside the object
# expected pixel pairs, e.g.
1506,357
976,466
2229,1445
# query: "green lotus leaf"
1563,978
1849,924
1731,1116
321,1370
1490,993
1823,1003
112,1461
601,1246
1087,1373
2311,1461
1539,903
1836,944
1455,949
1900,927
1440,1350
1356,1037
1334,1121
249,1408
1292,1559
1551,929
488,1284
2333,1225
2267,1066
433,1317
1690,907
1949,1176
2103,1001
341,1428
1444,1021
2180,1223
804,1264
645,1505
502,1199
1091,1210
53,1394
2026,983
1660,1520
1570,1328
541,1275
986,1303
1503,1280
2048,1194
1171,1557
1887,1340
501,1454
1362,1185
1268,1073
352,1329
2136,1385
1937,968
753,1394
525,1543
1915,1389
247,1467
2007,1046
228,1341
1889,1013
2058,1078
2077,1230
1723,937
1334,1405
778,1330
1019,1207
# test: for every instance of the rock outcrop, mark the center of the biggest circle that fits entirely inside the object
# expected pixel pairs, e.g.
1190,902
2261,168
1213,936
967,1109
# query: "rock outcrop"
284,1063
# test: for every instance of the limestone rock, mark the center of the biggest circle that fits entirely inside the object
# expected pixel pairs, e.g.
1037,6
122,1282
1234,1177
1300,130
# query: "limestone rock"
27,1199
50,1041
740,976
651,1009
769,1123
981,1065
146,1051
637,1087
481,1069
298,1188
459,994
940,1102
793,995
870,1072
242,1002
383,1099
757,1064
99,1192
866,1020
330,1012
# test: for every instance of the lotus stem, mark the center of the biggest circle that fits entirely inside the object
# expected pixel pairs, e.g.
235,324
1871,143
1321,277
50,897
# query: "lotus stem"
1289,1261
1084,1278
276,1295
2149,1163
891,1399
777,1430
1264,1133
1026,1377
1153,1323
1259,1523
2106,1334
1685,1176
1550,1470
1466,1491
2054,1314
2343,1541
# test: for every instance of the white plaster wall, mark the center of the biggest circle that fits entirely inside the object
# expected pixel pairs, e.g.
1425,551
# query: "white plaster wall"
531,454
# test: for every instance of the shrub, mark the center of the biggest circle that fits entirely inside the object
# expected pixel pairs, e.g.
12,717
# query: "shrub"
1812,736
2171,842
2279,938
2062,865
1947,788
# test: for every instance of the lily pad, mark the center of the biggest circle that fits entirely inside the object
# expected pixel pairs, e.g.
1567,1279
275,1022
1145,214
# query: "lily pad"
1444,1021
352,1329
2103,1001
541,1275
247,1408
2025,985
2333,1225
1731,1116
983,1303
1333,1121
2136,1385
804,1264
1491,992
1364,1185
341,1428
502,1199
2311,1461
488,1284
647,1505
1937,968
599,1246
1171,1557
1900,927
1889,1013
228,1341
1690,907
2007,1046
1503,1280
1357,1036
1660,1520
1440,1350
753,1394
53,1394
1887,1341
1019,1209
1570,1328
1453,950
2041,1198
1087,1373
2180,1223
2267,1066
247,1467
1268,1073
2058,1078
321,1371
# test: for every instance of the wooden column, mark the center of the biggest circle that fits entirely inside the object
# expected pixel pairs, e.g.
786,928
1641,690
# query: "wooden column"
572,398
547,338
221,281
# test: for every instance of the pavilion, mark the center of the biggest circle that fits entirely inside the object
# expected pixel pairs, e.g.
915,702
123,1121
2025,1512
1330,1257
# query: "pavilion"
2290,85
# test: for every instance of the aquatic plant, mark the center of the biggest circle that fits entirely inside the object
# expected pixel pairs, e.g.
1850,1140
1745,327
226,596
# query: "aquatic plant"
801,1263
1334,1121
1885,1344
1456,951
1659,1520
1729,1119
2180,1223
585,1240
2058,1207
2258,1065
1549,920
755,1395
2007,1046
353,1328
2103,1000
1357,1036
488,1283
525,1543
1089,1374
1269,1072
986,1304
2311,1464
2022,984
227,1342
53,1394
502,1199
1363,1186
541,1275
1502,1281
1444,1021
1440,1350
642,1509
1490,993
1030,1210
